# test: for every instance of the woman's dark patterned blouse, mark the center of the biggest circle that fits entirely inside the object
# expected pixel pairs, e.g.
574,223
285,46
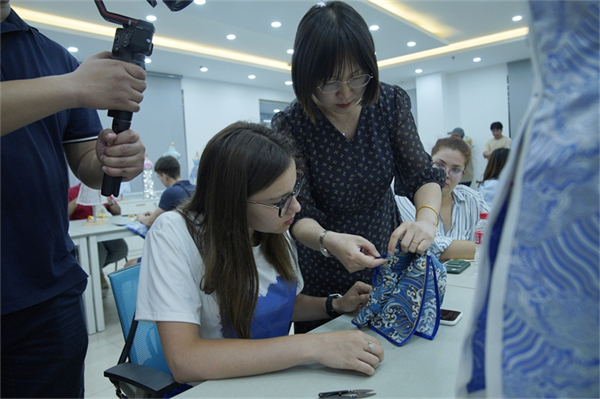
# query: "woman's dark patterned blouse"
348,183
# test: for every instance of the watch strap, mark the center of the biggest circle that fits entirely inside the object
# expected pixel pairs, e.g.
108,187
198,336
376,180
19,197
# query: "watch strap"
329,305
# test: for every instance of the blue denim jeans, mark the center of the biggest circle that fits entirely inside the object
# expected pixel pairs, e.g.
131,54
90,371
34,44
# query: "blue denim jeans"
44,347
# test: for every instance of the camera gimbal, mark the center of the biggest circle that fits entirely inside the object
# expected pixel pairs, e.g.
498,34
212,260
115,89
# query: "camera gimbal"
132,44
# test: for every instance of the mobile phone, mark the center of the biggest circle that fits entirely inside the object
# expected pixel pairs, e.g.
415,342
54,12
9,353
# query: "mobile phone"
450,317
456,266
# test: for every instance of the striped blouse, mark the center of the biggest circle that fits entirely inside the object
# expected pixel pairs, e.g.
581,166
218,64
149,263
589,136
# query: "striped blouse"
468,204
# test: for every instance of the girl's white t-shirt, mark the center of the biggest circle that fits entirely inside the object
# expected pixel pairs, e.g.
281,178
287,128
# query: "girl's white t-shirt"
170,275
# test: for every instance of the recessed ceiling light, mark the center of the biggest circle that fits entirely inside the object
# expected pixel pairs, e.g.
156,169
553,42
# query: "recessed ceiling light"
200,2
73,49
276,24
418,70
517,18
231,37
411,44
374,27
288,83
290,51
203,69
251,77
476,59
151,18
147,60
276,110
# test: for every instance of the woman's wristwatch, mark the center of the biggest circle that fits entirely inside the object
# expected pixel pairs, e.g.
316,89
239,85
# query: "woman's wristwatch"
324,250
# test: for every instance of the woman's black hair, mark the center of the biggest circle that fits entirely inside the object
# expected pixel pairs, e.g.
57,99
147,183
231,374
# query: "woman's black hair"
495,164
330,36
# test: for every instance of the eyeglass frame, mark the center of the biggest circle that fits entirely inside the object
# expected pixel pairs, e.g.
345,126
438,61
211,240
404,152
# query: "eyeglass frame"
347,82
281,206
450,172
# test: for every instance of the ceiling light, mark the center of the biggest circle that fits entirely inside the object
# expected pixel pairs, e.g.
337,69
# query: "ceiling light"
251,77
454,47
288,83
203,69
290,51
200,2
151,18
276,110
275,24
231,37
411,44
73,49
418,70
517,18
147,60
476,59
159,41
374,27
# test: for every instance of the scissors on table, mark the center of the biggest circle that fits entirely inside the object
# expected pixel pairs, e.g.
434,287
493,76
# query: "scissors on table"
348,393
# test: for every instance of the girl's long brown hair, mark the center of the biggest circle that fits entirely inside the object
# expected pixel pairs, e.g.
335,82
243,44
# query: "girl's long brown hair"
242,159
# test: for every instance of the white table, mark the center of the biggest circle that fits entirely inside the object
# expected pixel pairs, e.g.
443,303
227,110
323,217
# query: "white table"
420,368
79,237
95,233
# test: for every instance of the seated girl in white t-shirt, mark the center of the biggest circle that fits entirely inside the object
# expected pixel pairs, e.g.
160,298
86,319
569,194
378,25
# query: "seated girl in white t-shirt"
224,267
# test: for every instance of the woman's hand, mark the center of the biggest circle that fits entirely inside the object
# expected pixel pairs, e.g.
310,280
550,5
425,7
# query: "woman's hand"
348,350
354,252
353,300
416,237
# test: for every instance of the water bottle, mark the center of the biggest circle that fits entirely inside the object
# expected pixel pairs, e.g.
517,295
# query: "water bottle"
479,232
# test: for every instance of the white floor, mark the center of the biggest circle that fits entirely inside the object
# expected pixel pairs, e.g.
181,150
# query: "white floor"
104,350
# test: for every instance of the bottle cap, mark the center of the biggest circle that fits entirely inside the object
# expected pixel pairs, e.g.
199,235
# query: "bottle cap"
483,215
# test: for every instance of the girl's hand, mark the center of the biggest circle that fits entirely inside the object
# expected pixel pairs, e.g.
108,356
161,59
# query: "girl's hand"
353,300
348,350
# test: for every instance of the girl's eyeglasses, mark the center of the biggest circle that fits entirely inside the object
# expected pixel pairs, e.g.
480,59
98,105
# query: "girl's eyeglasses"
284,205
454,173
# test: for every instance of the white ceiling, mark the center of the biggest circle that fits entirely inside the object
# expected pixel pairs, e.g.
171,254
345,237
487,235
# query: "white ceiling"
250,21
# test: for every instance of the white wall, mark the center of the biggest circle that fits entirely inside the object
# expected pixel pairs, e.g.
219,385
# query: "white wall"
471,100
210,106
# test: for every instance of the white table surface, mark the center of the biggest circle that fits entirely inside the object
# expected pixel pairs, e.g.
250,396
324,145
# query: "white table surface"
420,368
95,233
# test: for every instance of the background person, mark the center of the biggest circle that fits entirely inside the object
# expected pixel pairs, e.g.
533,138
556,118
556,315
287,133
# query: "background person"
489,184
467,178
224,267
498,141
44,128
167,169
348,211
110,251
461,205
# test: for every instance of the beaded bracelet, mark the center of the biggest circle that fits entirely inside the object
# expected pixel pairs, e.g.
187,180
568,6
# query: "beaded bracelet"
430,207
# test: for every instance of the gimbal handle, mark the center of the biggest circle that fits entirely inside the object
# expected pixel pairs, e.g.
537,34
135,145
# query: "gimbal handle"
132,44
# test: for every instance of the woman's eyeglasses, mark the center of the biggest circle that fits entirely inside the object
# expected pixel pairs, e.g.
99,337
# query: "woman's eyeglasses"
334,85
454,173
284,205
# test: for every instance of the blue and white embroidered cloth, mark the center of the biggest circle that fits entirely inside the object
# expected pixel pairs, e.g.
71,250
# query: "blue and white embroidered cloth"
535,330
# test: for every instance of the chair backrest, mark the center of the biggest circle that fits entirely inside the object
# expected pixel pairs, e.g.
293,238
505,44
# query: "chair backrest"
146,349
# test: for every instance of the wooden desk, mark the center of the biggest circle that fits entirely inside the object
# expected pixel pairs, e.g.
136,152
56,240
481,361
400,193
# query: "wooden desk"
93,235
421,368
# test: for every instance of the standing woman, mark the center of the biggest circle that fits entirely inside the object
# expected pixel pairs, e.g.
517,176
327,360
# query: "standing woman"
356,134
219,275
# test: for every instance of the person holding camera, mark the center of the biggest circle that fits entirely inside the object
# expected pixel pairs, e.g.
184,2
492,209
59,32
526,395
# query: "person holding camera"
47,124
